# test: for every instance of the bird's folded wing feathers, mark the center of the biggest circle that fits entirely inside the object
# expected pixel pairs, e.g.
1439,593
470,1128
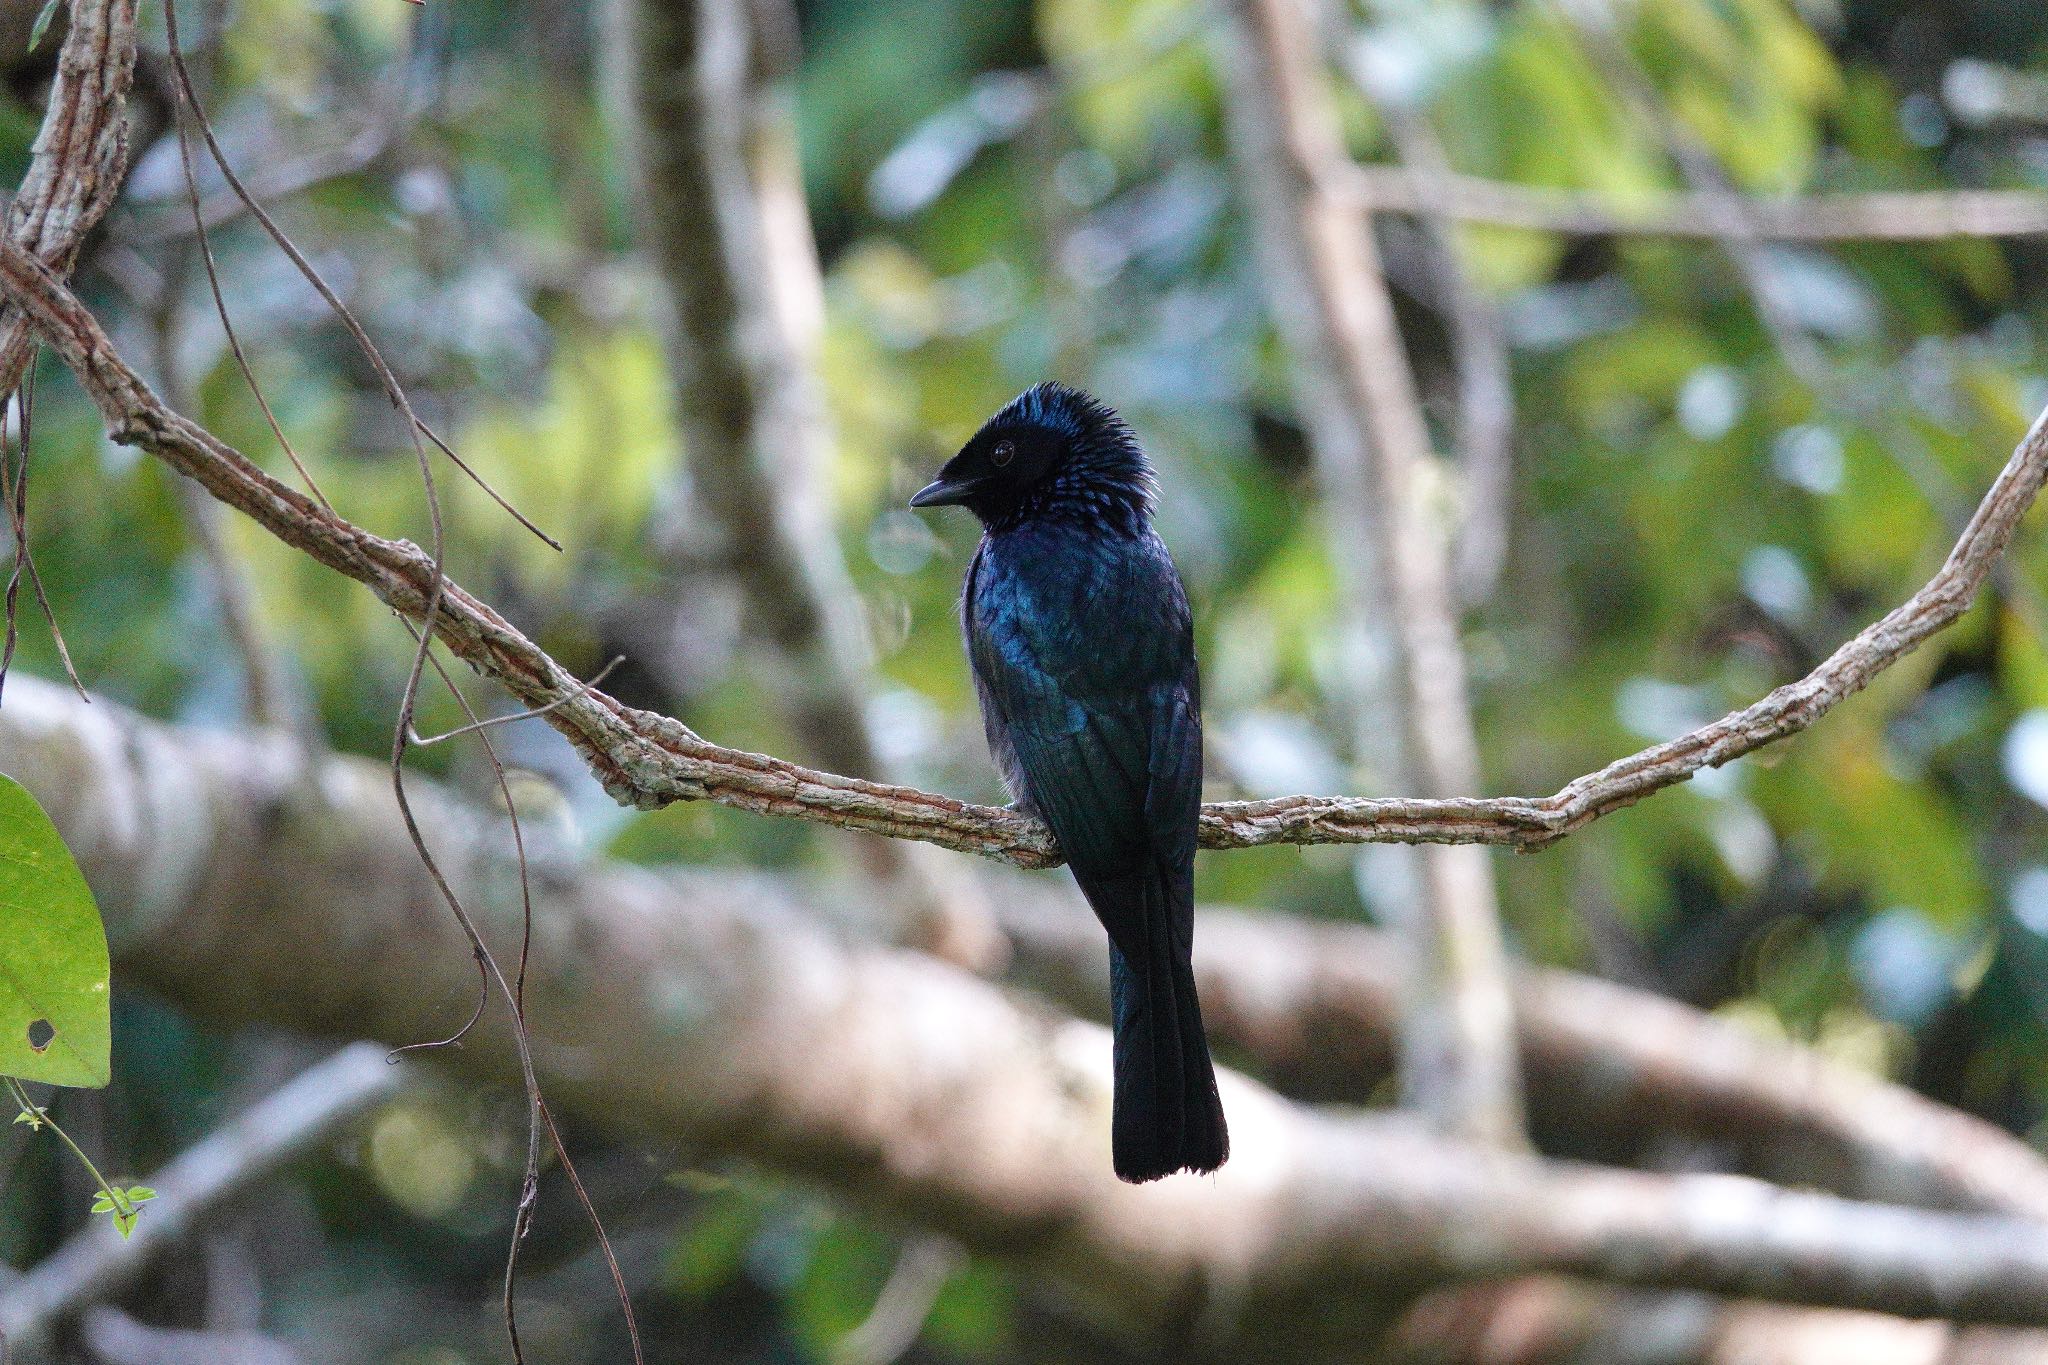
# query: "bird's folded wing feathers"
1106,736
1116,778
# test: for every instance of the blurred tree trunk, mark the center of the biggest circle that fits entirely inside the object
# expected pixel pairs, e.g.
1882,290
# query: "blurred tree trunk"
1372,449
722,213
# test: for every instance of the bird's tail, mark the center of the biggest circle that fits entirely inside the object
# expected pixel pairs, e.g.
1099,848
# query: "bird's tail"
1167,1114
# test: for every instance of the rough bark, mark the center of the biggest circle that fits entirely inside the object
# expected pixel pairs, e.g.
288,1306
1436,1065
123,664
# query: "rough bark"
80,156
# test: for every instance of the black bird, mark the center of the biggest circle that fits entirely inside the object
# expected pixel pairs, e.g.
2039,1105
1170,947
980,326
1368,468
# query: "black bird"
1083,655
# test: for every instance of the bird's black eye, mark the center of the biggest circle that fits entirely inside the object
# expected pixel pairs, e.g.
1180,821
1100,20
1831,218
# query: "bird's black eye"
1004,452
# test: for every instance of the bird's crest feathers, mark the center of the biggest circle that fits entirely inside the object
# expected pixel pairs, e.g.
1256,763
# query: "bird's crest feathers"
1052,451
1103,455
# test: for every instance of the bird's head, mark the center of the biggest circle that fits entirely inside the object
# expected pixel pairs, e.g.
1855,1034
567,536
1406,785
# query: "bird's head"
1050,449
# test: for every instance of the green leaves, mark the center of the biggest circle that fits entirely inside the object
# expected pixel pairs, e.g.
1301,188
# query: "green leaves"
122,1205
54,972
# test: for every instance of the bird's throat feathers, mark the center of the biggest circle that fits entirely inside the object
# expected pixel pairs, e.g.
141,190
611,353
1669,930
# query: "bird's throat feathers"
1100,474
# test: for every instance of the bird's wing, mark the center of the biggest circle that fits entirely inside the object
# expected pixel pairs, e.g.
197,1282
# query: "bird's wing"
1080,765
1108,741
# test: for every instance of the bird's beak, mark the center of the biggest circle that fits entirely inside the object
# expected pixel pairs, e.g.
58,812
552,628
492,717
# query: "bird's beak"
943,493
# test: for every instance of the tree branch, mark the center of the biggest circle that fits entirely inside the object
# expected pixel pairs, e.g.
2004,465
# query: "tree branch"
244,884
1899,216
723,216
747,301
75,169
81,153
1478,342
647,760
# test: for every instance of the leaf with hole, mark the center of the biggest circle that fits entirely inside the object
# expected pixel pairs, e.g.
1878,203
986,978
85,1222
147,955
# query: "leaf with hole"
54,973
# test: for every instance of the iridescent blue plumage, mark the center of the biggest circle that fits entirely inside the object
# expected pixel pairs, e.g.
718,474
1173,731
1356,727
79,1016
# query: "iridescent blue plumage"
1082,650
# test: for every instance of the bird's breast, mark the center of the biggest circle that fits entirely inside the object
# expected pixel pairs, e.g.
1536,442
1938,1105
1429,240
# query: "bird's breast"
1097,616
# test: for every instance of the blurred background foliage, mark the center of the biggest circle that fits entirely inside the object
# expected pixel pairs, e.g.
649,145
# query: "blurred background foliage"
1005,191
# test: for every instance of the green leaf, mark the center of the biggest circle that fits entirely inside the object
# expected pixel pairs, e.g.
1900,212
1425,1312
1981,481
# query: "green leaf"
121,1204
54,974
42,26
